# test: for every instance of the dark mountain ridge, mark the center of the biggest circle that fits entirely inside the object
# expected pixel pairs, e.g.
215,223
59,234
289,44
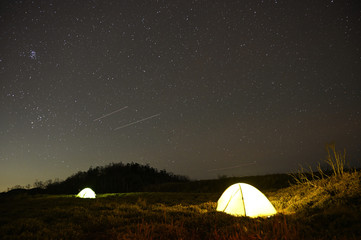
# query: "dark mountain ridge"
112,178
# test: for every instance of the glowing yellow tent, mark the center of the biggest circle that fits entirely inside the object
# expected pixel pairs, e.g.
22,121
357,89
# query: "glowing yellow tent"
86,193
242,199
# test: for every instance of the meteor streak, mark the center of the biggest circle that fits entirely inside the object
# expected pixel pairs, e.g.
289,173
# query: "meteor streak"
106,115
237,166
132,123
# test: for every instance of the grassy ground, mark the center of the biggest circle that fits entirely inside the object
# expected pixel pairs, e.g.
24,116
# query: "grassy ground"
327,209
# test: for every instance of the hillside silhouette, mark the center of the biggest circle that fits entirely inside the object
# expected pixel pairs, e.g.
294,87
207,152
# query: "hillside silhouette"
114,178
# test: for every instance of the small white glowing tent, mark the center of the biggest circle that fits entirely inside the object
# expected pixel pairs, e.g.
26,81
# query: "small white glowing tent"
242,199
86,193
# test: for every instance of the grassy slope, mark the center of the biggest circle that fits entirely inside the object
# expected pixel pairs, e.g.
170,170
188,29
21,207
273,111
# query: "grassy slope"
329,206
323,209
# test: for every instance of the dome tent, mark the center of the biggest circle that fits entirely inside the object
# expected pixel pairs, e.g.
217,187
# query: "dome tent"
242,199
86,193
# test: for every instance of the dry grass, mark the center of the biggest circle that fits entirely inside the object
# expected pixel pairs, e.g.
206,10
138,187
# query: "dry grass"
329,202
320,194
165,216
335,160
320,190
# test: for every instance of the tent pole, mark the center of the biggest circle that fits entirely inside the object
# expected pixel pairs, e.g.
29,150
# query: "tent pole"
244,205
231,199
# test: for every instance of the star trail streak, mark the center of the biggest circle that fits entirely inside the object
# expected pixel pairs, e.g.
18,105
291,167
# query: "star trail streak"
139,121
107,115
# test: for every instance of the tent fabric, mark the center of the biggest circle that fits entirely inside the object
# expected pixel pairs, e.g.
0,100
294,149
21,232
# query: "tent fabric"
86,193
242,199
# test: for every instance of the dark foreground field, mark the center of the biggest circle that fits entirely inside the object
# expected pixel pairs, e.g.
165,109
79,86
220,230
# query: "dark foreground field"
322,209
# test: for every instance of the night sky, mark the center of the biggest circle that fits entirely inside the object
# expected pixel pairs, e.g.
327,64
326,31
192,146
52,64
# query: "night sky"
201,88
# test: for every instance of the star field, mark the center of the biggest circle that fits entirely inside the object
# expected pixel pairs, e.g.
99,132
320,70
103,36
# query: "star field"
200,88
